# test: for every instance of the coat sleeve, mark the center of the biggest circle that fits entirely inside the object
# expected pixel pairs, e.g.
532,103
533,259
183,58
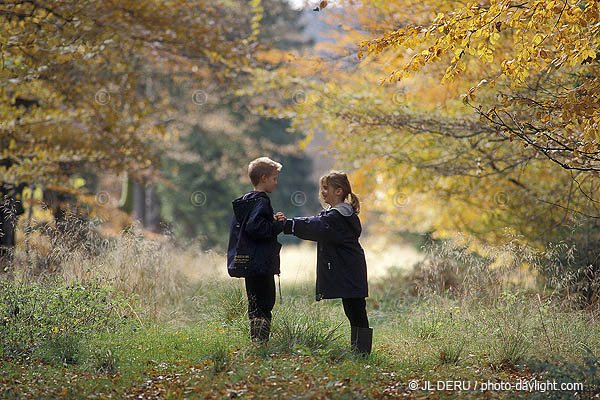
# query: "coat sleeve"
261,225
324,227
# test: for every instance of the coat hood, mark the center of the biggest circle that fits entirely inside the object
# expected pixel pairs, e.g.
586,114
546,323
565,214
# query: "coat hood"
344,208
350,216
244,204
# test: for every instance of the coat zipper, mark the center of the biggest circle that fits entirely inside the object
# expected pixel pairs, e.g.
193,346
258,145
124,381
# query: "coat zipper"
329,265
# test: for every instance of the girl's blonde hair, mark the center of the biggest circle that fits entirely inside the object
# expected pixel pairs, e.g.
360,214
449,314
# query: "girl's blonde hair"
338,179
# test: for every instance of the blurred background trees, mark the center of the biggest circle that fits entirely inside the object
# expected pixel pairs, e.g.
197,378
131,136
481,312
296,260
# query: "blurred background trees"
142,91
478,118
474,128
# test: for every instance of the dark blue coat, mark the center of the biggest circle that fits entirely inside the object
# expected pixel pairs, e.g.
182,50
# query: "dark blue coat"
341,264
253,249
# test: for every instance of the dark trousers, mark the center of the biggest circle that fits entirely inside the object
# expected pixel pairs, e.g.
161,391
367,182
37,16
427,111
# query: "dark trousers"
261,296
356,311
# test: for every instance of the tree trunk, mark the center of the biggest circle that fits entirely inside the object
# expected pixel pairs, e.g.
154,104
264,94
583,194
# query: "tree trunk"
11,207
152,220
139,202
126,202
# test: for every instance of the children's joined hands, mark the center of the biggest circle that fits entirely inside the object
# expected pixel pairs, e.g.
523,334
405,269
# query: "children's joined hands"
279,216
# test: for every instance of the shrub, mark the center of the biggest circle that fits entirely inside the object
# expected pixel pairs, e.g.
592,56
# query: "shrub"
572,266
449,268
233,303
293,329
219,355
451,352
428,329
61,348
52,317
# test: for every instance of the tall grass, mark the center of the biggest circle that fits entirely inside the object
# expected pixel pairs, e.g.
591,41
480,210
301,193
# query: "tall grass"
156,273
456,313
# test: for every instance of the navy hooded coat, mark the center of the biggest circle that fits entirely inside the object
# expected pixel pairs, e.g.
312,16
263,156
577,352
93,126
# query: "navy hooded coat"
341,264
253,249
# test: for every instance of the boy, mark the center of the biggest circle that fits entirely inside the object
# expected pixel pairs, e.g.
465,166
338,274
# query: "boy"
253,251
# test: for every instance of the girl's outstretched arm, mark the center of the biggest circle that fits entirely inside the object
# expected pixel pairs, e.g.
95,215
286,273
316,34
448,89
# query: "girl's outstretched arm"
317,228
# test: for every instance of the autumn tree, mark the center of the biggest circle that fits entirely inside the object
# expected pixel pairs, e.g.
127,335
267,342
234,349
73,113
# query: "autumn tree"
543,52
74,76
450,147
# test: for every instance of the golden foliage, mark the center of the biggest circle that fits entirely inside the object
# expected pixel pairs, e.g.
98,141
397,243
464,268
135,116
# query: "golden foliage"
544,51
76,78
425,158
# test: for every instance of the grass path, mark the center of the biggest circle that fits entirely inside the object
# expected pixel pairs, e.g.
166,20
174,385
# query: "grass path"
435,339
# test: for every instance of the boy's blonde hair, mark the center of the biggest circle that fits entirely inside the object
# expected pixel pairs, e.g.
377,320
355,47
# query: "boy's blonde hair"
338,179
262,166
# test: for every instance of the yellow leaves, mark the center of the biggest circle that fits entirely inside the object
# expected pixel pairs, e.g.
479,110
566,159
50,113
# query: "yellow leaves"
486,53
575,58
494,38
488,57
474,31
78,182
588,53
257,16
69,82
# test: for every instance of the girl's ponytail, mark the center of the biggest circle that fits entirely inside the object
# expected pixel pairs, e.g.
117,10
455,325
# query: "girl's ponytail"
355,202
338,179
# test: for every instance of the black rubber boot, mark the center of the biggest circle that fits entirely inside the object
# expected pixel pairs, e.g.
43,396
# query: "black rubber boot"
260,329
361,339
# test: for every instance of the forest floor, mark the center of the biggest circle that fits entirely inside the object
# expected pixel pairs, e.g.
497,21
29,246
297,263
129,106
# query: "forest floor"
66,340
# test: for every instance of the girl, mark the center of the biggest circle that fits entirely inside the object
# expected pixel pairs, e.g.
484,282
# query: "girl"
341,265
